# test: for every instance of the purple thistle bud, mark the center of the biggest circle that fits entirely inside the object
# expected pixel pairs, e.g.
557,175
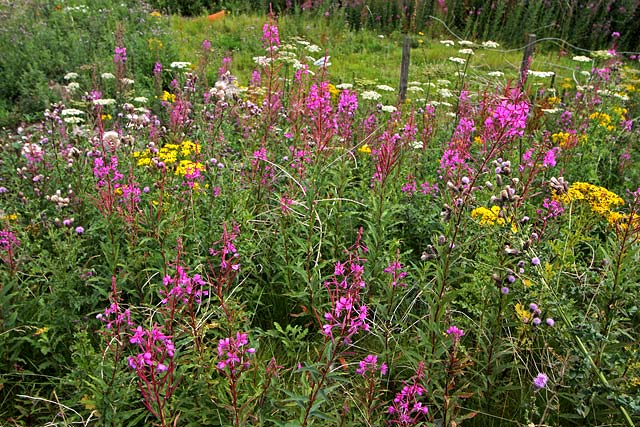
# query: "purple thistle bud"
540,381
550,321
504,290
535,261
79,229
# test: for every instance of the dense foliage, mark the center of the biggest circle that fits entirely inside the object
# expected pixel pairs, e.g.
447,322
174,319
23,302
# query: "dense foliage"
291,250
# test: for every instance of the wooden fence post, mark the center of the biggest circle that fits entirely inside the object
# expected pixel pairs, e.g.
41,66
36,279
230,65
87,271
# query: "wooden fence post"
526,58
404,67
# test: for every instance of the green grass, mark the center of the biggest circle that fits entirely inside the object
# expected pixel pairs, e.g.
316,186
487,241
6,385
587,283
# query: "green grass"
353,53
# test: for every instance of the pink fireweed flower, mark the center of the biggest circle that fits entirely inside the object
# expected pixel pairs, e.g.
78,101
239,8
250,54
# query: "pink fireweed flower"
394,269
549,160
234,353
370,365
120,55
455,332
155,347
348,315
407,409
183,288
270,36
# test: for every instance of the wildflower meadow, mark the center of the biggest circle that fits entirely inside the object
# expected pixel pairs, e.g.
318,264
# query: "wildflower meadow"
238,221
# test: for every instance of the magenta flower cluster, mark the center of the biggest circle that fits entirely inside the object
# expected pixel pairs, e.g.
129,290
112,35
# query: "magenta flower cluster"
155,348
407,409
183,288
348,314
369,365
234,353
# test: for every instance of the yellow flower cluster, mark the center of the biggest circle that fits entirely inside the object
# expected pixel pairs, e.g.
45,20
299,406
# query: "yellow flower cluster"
334,91
166,96
568,140
365,149
603,119
169,155
600,200
524,314
492,216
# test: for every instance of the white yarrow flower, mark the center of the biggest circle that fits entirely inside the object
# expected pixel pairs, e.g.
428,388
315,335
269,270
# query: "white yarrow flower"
389,108
466,52
447,42
385,88
344,86
490,44
495,74
457,60
104,101
581,58
180,65
370,94
541,74
71,112
107,76
71,76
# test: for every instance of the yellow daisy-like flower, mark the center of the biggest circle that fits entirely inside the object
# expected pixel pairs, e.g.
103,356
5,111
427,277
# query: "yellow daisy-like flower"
166,96
523,313
365,149
187,166
603,119
600,199
492,216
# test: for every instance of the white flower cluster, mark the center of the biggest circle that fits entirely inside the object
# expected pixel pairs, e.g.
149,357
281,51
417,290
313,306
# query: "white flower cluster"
370,94
385,88
541,74
581,58
490,44
180,65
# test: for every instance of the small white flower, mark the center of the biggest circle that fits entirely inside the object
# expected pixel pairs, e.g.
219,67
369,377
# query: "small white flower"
495,74
104,101
451,114
389,108
621,96
71,76
414,83
585,73
581,58
262,61
313,48
457,60
418,145
466,43
445,93
490,44
443,82
602,54
71,112
127,81
466,52
180,65
550,110
415,89
302,42
385,88
380,36
140,99
541,74
107,76
73,86
344,86
448,42
446,104
370,94
73,120
323,62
